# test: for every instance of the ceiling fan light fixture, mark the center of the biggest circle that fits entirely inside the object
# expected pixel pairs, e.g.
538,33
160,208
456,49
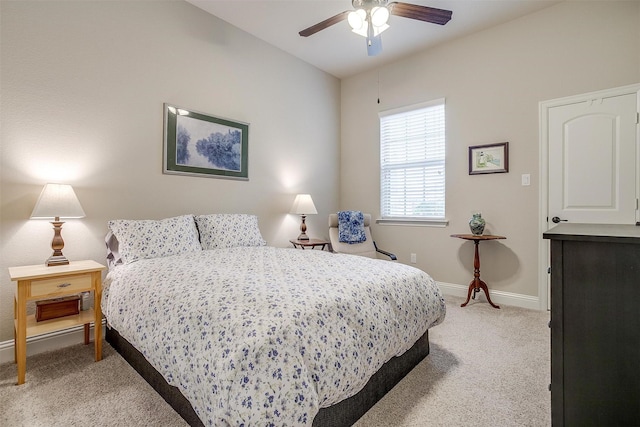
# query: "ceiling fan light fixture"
361,31
379,16
378,30
357,20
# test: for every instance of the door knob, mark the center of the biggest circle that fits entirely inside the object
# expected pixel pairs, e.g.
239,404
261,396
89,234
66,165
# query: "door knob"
556,219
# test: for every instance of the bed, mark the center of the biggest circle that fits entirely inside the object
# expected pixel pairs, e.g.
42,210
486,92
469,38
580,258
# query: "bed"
231,331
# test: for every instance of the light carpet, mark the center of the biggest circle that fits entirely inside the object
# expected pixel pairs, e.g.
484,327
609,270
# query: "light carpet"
487,367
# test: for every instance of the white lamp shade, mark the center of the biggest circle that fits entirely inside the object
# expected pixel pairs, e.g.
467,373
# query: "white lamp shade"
303,205
57,200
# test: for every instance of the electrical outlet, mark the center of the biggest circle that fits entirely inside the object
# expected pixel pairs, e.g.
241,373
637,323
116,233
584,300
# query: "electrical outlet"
413,258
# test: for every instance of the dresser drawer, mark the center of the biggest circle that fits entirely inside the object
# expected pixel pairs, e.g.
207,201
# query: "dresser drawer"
60,284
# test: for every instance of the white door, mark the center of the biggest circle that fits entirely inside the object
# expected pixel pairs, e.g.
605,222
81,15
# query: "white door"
592,161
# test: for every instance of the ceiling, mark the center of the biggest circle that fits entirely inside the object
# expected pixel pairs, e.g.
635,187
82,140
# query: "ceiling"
342,53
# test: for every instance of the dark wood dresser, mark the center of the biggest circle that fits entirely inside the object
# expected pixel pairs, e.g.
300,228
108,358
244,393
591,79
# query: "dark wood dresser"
595,325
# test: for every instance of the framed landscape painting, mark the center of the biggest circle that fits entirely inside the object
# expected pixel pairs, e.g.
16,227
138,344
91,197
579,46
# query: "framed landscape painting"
200,144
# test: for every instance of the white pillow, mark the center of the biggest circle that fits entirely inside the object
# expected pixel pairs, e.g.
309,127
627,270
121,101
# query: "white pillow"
113,254
229,231
142,239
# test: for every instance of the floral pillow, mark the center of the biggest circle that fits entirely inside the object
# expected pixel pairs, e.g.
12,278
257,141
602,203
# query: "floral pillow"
229,231
142,239
351,227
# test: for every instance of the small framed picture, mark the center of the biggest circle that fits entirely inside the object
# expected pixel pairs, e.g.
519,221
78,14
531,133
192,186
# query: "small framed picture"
204,145
490,158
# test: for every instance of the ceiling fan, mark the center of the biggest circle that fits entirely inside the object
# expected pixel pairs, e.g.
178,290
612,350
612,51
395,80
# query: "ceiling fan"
369,19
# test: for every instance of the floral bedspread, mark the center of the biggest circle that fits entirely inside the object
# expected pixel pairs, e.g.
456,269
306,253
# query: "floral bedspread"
264,336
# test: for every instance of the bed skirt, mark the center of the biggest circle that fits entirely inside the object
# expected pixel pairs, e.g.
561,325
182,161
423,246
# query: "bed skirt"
342,414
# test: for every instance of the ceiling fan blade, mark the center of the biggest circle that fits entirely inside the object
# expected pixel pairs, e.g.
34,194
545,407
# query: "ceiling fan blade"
324,24
421,13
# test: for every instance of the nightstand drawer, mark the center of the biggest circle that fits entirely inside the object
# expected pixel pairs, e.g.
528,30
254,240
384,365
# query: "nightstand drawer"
59,285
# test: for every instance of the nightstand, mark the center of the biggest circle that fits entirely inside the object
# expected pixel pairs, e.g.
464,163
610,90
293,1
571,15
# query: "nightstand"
311,243
37,282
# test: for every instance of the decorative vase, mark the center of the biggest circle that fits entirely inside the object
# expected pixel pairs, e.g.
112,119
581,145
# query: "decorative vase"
476,224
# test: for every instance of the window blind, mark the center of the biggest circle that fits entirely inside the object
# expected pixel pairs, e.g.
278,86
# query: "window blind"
412,162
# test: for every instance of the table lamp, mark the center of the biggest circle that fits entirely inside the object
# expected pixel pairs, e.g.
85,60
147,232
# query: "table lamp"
303,206
57,201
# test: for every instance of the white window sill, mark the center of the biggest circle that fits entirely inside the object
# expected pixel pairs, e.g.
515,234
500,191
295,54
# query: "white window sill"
416,222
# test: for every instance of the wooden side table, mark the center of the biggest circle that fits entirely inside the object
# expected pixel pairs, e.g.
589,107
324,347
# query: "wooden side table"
37,282
477,284
311,243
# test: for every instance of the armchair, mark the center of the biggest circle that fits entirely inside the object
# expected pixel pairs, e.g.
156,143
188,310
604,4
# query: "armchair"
367,248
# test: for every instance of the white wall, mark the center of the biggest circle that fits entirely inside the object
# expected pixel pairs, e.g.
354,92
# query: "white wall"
83,84
493,82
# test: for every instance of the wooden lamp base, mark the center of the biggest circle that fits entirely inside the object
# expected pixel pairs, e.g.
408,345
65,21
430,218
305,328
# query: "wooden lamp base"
303,230
57,244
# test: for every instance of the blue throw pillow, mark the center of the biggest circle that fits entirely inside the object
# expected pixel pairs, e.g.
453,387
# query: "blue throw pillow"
351,227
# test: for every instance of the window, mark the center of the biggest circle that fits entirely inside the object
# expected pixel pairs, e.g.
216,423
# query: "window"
412,162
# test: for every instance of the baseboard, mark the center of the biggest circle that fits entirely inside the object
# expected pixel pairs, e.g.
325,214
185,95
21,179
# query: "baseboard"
498,297
46,342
